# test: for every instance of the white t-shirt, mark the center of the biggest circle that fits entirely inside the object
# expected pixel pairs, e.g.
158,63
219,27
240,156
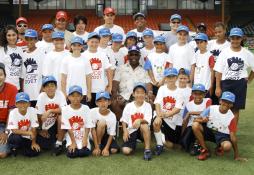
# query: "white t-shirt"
159,63
12,60
215,48
46,46
23,122
84,36
32,72
203,65
116,58
234,65
110,120
44,103
181,56
169,99
144,53
76,120
99,63
76,70
124,50
192,107
132,112
114,29
52,65
104,50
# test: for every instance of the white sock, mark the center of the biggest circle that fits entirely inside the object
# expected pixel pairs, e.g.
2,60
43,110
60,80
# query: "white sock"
163,138
59,142
158,138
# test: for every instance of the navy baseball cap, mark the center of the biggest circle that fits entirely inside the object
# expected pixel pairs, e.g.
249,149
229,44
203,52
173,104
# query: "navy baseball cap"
93,35
139,14
103,94
77,39
139,85
148,32
47,27
175,16
170,72
131,34
117,37
201,36
182,28
228,96
75,88
47,79
59,35
198,87
30,33
161,39
104,32
236,32
22,96
134,48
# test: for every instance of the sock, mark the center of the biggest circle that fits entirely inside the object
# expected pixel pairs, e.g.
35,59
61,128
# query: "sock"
158,138
163,138
59,142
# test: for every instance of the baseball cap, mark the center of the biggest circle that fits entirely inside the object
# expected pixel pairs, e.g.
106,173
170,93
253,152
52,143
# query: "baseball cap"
2,66
103,94
201,36
201,25
116,37
108,10
104,32
184,71
93,35
77,39
228,96
21,19
161,39
61,14
47,27
22,96
148,32
138,14
58,35
236,32
131,34
182,28
47,79
198,87
31,33
75,88
139,85
134,48
170,72
175,16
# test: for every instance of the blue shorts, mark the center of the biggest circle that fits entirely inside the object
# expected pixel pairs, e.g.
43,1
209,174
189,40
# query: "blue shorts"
215,136
4,148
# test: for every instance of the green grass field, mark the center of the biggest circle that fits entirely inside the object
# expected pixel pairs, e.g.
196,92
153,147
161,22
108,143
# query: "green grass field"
173,162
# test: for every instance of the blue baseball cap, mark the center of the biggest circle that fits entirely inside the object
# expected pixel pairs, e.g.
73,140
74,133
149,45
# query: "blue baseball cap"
116,37
103,94
139,14
198,87
93,35
77,39
170,72
47,27
131,34
184,71
59,35
201,36
148,32
75,88
31,33
134,48
104,32
22,96
175,16
182,28
228,96
139,85
161,39
47,79
236,32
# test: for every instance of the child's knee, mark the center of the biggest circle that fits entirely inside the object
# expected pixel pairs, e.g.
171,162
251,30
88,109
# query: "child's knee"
144,128
226,145
3,155
195,126
126,150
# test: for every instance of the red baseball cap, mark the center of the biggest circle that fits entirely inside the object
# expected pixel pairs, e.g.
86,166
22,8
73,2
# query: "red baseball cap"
109,10
61,14
21,19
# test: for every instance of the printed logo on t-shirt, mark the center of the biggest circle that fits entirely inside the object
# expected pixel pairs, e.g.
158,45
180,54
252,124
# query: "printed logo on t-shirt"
169,103
215,52
235,66
51,106
136,116
30,65
217,126
16,59
76,122
95,63
24,125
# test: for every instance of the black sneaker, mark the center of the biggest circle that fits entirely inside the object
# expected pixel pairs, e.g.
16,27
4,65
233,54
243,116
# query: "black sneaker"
14,152
147,154
158,150
195,150
57,150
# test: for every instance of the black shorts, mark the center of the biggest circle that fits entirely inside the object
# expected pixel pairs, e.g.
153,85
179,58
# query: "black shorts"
155,90
92,104
104,141
171,134
187,138
239,88
132,141
214,136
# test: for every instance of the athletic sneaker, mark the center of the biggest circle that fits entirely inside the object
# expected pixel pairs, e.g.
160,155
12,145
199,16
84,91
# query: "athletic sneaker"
204,154
195,150
158,150
14,152
147,154
57,150
219,151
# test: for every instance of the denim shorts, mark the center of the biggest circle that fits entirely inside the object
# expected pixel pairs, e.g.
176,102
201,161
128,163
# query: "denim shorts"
3,148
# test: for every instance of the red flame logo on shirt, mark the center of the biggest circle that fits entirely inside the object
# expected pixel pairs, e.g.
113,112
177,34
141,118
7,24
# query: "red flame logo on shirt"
76,122
95,63
136,116
168,103
51,106
24,124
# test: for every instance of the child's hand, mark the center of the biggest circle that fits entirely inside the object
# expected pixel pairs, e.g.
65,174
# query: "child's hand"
44,133
35,147
96,151
126,136
205,120
3,138
105,152
88,97
72,147
241,159
157,121
218,92
137,123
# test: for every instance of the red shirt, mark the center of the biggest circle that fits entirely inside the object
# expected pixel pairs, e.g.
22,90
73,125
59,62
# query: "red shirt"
7,100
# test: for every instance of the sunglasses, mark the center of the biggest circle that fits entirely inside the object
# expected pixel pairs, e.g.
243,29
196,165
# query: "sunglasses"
175,22
22,25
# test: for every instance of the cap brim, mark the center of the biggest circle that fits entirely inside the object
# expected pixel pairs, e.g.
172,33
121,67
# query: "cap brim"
227,100
24,100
